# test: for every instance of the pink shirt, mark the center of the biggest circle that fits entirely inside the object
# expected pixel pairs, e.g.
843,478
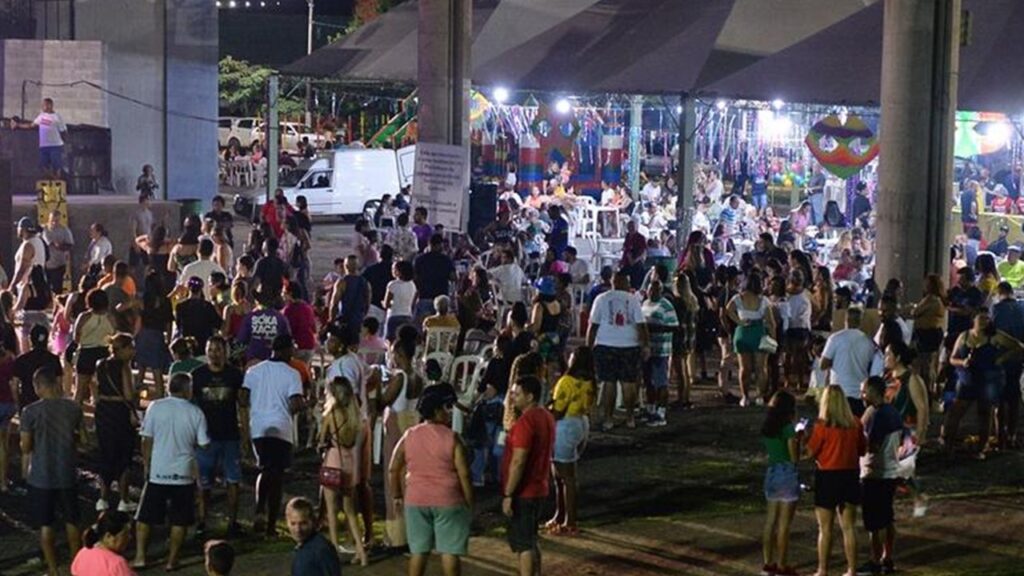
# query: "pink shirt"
430,476
99,561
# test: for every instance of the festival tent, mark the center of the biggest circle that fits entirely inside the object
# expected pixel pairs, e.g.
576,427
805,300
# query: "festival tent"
621,46
826,51
842,63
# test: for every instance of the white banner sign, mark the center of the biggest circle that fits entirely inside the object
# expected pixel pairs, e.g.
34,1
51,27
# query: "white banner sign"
440,182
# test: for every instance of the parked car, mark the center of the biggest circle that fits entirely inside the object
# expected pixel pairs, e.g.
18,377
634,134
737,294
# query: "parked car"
339,183
291,134
235,131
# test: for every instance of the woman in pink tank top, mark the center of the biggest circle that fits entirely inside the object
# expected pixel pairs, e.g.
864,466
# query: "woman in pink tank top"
437,495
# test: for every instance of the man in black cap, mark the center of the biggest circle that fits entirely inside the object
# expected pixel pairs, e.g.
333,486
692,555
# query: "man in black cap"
25,365
1000,245
273,391
31,252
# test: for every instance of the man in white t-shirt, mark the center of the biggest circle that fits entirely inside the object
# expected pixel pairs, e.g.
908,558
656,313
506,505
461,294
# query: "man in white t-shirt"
509,277
273,390
579,269
849,358
51,143
619,337
201,268
171,431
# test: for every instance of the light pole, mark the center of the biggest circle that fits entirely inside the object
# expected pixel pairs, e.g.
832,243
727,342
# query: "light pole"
309,50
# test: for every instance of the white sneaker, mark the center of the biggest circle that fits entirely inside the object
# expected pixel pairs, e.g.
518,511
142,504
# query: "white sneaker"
126,506
101,505
744,402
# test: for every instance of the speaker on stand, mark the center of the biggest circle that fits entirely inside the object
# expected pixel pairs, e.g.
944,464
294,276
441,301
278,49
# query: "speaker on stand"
483,206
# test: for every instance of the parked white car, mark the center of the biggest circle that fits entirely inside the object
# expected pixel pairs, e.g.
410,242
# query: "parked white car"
340,183
235,131
291,134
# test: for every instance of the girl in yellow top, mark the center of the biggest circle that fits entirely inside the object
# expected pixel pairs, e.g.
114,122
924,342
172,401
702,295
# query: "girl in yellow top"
572,401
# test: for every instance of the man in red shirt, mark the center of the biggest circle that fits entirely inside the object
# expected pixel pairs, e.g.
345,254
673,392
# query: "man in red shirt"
525,471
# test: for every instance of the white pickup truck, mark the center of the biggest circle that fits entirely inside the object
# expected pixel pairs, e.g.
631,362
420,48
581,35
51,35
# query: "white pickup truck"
291,134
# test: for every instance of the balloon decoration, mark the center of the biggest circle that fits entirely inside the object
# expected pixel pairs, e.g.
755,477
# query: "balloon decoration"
842,149
557,132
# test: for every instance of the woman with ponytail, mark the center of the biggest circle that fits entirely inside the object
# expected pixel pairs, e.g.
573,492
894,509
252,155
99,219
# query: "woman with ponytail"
104,542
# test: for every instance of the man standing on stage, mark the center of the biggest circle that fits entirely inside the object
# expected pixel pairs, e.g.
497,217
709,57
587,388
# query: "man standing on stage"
51,143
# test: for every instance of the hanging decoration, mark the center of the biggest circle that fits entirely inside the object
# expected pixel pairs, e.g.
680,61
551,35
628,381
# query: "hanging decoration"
842,148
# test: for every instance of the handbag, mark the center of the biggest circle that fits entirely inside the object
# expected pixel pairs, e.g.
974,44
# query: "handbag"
329,476
768,345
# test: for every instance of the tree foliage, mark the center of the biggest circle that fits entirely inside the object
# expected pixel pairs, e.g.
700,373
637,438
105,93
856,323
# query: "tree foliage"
243,90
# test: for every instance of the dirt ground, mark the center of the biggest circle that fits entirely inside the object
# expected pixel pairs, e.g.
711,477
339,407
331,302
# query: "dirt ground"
683,499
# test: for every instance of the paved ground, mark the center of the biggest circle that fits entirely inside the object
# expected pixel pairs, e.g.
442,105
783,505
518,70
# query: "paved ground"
684,499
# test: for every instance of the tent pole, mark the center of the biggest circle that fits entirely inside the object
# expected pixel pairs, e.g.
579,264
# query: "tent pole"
684,167
636,120
271,136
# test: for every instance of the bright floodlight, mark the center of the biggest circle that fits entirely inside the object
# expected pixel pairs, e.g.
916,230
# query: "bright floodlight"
501,95
247,4
218,3
563,106
999,132
778,104
679,109
232,4
720,104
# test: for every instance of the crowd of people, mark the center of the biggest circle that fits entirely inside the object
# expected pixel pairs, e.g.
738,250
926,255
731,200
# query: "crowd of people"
194,353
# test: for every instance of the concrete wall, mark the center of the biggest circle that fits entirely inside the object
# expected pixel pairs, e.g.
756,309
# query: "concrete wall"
133,33
191,69
54,62
111,211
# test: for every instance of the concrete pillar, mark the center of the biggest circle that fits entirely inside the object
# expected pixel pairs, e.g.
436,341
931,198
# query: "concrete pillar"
919,69
684,170
443,77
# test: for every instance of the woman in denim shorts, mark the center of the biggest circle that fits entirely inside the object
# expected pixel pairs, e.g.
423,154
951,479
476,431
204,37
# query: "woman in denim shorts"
781,484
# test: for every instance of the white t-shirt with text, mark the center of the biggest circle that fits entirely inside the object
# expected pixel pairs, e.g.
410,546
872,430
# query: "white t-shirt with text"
50,126
177,427
617,315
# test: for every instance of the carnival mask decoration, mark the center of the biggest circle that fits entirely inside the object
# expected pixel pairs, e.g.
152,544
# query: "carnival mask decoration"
842,149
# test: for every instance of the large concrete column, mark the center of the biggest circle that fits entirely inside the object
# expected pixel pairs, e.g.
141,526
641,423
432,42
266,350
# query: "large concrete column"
919,68
443,78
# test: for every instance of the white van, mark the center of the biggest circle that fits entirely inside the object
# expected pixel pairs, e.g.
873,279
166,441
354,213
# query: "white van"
339,183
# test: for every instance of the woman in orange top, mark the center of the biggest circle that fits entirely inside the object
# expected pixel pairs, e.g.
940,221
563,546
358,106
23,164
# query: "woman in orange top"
836,444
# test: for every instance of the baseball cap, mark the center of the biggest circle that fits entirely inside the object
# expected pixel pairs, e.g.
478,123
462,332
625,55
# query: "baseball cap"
26,223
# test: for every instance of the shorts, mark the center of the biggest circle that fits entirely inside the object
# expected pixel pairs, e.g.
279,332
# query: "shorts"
272,453
877,503
222,454
617,364
51,157
656,372
747,339
834,488
781,483
173,503
46,502
570,438
522,526
1011,390
856,406
984,387
927,340
7,411
442,529
87,359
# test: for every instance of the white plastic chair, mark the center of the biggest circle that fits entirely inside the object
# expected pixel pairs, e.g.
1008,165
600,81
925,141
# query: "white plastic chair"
440,340
444,359
463,379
